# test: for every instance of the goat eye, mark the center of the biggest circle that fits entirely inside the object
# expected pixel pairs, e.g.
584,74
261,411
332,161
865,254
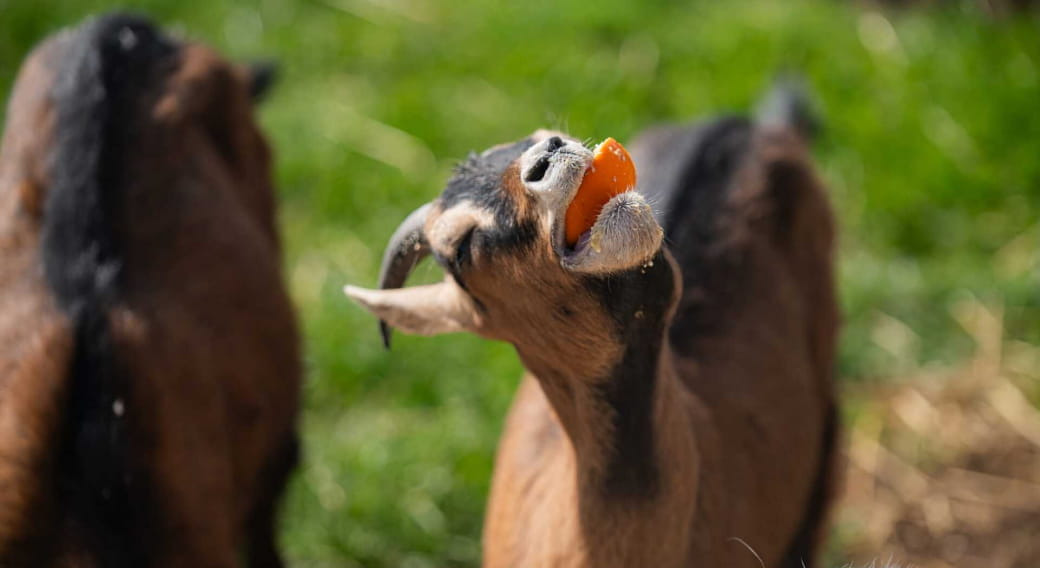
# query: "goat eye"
463,252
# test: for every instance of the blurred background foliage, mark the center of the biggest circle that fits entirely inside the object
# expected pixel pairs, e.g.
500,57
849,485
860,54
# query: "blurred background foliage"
931,150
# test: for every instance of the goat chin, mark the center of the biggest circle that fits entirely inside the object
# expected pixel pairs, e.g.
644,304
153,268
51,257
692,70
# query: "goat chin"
624,235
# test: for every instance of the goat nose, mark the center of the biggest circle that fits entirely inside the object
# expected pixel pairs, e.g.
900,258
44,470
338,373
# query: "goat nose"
553,144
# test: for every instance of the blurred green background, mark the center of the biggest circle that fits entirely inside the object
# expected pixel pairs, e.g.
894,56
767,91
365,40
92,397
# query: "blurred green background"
931,150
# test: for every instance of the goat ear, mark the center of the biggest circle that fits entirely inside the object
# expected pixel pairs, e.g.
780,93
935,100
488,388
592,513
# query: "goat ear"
422,310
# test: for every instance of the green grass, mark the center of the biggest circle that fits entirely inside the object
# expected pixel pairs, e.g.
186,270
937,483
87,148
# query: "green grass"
931,150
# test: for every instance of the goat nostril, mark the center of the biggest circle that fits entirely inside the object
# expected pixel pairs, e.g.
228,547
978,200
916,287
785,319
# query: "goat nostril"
541,167
538,170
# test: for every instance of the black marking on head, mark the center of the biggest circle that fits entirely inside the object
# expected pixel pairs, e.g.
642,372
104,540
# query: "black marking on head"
638,301
107,66
480,181
462,259
463,254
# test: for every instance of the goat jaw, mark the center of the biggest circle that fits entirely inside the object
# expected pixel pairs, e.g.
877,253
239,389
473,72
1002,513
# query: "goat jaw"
624,236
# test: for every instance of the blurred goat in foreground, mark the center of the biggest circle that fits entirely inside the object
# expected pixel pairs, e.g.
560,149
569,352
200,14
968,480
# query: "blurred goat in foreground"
150,366
678,408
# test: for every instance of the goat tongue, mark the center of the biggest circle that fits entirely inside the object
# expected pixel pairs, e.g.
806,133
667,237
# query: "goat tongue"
612,172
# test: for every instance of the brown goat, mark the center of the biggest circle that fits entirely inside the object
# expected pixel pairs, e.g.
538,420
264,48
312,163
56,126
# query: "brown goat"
150,366
678,406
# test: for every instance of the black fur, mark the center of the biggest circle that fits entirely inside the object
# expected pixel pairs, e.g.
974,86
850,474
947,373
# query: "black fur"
478,181
107,63
802,550
261,549
638,301
686,172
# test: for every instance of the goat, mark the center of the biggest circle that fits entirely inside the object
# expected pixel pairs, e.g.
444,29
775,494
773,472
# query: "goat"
677,407
150,365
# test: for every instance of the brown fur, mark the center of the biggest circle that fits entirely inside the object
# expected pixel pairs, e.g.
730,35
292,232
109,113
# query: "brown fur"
678,408
204,329
739,413
546,508
729,444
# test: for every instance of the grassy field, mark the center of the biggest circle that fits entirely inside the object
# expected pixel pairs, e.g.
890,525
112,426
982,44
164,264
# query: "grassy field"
931,150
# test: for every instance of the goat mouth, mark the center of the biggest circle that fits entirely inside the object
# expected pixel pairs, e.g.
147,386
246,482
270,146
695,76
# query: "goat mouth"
565,250
552,170
572,251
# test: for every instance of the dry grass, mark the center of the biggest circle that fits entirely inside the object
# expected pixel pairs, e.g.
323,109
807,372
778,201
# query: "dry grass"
944,465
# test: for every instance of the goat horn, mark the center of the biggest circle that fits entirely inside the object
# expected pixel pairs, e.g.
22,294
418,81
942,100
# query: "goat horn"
406,248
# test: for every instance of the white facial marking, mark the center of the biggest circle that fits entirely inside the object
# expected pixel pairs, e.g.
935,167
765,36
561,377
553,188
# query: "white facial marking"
453,223
553,169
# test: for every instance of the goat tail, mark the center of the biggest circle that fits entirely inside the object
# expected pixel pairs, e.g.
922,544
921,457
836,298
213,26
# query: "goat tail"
788,104
97,98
